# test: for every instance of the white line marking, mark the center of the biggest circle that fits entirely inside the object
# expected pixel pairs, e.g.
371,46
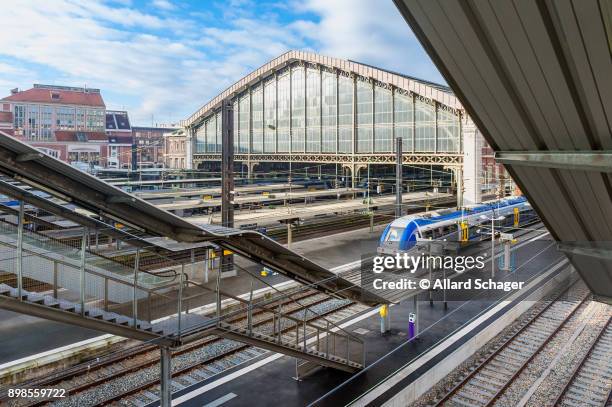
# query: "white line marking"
221,400
539,237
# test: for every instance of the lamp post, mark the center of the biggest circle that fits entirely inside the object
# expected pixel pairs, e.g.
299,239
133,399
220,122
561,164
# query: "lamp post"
484,217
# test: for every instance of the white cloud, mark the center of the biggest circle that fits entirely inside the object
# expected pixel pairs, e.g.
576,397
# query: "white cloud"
166,65
369,31
163,5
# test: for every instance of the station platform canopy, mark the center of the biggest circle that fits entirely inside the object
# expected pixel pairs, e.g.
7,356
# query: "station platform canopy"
45,173
536,77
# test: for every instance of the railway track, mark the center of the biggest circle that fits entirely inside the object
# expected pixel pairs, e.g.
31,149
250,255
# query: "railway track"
495,373
591,381
135,372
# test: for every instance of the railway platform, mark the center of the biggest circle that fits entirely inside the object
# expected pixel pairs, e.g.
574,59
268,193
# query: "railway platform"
465,318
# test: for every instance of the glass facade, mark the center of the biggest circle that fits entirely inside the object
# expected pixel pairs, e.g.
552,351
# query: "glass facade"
39,121
308,109
270,116
245,124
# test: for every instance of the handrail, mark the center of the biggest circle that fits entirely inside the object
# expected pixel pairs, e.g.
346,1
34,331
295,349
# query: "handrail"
96,254
96,273
357,339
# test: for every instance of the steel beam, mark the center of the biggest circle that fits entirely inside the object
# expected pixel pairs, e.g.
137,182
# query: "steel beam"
28,157
227,176
565,160
587,250
72,318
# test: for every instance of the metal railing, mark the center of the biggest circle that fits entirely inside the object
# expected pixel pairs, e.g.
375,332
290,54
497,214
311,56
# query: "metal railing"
109,277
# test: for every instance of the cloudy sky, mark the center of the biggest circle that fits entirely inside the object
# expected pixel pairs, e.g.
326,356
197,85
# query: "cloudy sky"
162,59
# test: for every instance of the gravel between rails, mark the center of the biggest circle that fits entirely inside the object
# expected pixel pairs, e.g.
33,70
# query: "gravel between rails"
573,333
441,388
561,372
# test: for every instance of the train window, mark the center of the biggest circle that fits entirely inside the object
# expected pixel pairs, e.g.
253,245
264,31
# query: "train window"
394,235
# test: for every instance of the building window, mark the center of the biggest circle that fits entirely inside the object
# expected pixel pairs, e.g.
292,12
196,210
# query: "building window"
383,120
80,119
297,109
257,105
236,106
403,120
329,114
211,134
19,116
313,111
32,128
448,131
218,131
200,135
345,114
46,122
425,126
65,118
364,117
245,126
270,116
283,113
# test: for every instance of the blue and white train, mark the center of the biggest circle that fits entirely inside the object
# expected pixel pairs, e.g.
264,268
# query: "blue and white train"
463,226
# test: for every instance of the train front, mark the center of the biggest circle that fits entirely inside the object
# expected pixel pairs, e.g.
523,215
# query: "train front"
399,236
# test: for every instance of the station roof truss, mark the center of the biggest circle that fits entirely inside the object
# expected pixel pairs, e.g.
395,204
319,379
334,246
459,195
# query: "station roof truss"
425,90
536,78
448,159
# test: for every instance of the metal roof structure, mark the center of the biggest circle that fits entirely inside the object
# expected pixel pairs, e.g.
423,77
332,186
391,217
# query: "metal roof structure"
28,165
536,78
436,92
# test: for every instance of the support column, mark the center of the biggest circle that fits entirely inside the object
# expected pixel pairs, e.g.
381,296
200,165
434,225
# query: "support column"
135,288
20,251
289,235
472,163
398,178
227,175
206,265
84,239
460,187
166,376
190,143
250,169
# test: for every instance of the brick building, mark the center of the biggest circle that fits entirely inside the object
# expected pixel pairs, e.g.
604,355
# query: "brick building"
149,143
64,122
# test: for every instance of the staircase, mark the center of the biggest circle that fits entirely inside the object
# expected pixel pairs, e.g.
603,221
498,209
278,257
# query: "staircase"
77,284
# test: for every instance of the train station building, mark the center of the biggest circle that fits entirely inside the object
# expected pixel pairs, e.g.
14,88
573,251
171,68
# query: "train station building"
303,110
